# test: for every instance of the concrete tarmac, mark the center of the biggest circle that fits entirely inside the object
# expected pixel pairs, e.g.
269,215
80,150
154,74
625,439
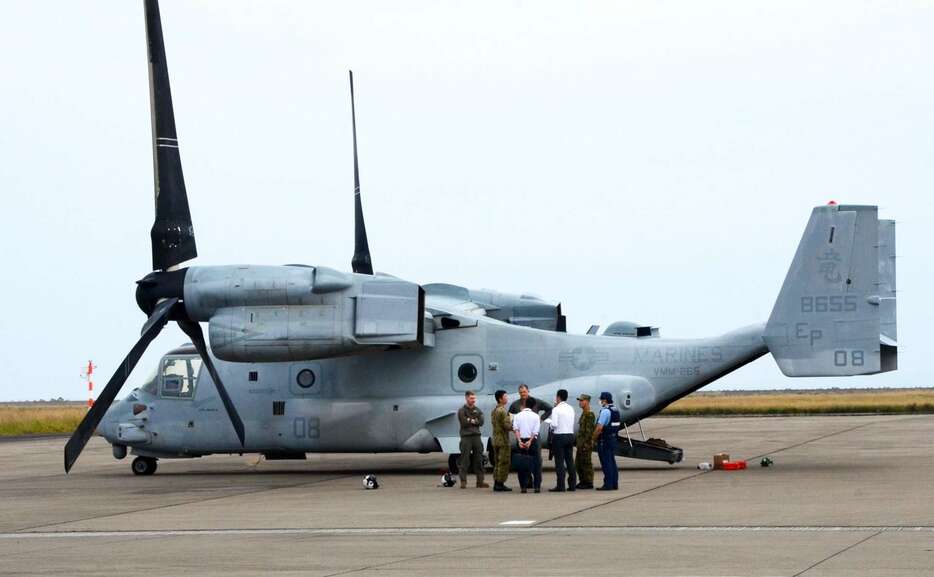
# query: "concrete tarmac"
846,496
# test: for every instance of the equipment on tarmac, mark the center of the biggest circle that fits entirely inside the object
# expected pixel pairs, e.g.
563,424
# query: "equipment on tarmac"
448,480
370,482
650,450
765,462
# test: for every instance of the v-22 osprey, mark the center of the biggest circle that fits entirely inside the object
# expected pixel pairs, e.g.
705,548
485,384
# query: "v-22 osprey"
308,359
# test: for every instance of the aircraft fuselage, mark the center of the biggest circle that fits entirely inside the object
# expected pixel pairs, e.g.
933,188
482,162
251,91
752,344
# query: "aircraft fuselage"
405,400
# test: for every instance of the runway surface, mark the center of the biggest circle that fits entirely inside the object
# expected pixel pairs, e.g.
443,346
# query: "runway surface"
846,496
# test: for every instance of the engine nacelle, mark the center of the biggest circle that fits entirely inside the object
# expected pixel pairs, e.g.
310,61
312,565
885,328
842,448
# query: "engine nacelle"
291,313
524,310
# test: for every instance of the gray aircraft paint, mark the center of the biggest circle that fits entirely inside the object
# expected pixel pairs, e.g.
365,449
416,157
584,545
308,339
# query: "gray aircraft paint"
319,360
405,400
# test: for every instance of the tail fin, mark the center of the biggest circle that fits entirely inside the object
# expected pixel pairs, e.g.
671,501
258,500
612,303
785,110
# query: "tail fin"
835,314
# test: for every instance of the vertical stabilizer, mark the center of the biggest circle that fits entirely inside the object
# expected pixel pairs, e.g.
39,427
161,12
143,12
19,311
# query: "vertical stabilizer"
835,315
887,309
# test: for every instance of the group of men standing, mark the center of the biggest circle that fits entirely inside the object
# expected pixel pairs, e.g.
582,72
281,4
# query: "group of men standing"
523,420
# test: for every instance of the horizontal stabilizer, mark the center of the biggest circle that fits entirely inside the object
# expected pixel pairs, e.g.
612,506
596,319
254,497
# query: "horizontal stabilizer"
835,315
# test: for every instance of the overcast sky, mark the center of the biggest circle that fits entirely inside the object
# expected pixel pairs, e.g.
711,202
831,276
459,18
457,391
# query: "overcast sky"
652,161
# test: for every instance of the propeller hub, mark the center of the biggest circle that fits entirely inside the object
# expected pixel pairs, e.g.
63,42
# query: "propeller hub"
157,286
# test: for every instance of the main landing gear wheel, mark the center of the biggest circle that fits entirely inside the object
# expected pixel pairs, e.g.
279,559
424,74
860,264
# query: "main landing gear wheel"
143,466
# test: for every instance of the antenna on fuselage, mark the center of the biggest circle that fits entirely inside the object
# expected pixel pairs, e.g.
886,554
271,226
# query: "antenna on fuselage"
361,261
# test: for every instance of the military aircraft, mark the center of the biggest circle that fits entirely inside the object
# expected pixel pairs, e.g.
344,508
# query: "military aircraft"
311,359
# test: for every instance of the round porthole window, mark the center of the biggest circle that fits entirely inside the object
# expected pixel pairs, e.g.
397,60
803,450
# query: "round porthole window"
305,378
467,372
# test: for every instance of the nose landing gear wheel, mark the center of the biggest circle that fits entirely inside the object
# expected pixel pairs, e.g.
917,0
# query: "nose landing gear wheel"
143,466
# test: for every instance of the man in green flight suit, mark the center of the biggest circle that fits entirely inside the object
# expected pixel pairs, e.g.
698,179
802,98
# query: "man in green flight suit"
471,420
502,427
585,429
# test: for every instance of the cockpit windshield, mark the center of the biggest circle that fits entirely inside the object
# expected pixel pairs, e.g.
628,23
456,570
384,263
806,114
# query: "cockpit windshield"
151,383
180,376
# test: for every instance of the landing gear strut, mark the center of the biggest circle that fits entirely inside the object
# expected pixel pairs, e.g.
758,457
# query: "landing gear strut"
143,466
454,463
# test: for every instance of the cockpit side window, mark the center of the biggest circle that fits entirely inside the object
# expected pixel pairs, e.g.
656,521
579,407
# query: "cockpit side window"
180,376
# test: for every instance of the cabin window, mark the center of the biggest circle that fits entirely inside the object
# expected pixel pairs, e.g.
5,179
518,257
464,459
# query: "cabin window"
467,372
180,376
305,378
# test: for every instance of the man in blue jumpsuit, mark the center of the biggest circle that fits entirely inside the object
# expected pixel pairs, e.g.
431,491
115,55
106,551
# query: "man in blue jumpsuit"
605,437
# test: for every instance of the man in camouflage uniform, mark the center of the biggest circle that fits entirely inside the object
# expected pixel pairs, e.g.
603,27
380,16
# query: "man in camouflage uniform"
502,426
585,429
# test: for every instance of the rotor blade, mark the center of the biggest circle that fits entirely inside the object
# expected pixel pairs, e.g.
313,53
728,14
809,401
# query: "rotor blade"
173,236
193,330
361,261
93,418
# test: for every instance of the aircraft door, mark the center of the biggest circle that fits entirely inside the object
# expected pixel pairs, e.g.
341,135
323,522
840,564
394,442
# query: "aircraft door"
467,373
298,428
178,381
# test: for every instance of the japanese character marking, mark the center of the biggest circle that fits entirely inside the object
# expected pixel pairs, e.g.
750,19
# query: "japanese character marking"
829,262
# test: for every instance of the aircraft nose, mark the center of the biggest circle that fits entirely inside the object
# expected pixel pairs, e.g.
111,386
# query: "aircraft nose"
108,425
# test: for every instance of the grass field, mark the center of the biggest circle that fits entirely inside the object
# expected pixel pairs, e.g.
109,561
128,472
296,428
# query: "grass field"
35,419
814,402
41,418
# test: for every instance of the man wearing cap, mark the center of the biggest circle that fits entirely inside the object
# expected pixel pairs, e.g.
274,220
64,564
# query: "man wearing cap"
585,430
604,436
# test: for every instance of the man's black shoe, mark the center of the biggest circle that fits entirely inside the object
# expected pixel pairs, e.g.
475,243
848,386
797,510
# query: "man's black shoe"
556,490
524,491
538,489
584,486
605,489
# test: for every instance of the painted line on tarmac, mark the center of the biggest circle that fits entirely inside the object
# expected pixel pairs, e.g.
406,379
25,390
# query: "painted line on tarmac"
243,493
377,531
697,474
